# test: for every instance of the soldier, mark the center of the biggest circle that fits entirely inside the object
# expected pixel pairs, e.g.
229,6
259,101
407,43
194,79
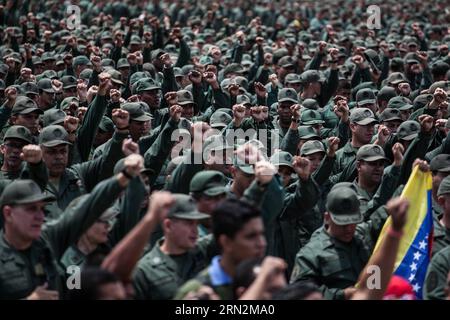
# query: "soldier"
338,252
174,259
26,113
436,280
441,233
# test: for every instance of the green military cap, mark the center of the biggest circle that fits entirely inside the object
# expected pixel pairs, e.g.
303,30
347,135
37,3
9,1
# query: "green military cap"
216,143
287,94
343,206
53,135
185,97
445,85
135,77
444,187
396,63
120,165
53,116
210,182
220,119
205,60
311,117
307,132
233,68
15,56
69,82
243,166
48,56
25,105
390,114
185,208
440,163
123,63
68,101
292,78
370,152
146,84
108,63
400,103
186,69
311,104
81,60
157,53
136,111
422,100
135,39
45,84
365,96
386,93
116,76
286,62
29,88
310,76
86,74
243,99
241,81
106,35
408,130
47,74
106,124
396,78
177,72
310,147
23,192
277,54
282,158
362,116
18,132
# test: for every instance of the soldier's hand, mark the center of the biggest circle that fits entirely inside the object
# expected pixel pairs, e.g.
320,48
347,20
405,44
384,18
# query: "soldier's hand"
423,165
139,57
42,293
260,90
333,146
211,79
441,123
159,204
96,63
341,109
270,268
397,151
238,114
175,112
57,85
439,96
114,94
383,135
264,112
81,112
256,113
71,123
195,77
11,95
321,47
273,78
82,90
129,147
104,80
397,208
171,98
31,153
134,163
203,293
302,167
358,60
264,172
295,111
248,154
426,123
25,73
233,89
133,98
166,60
121,119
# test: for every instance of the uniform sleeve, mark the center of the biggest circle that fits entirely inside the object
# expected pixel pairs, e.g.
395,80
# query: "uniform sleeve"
436,278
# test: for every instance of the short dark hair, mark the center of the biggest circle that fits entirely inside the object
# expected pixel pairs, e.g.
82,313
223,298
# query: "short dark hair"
230,216
297,291
92,279
245,274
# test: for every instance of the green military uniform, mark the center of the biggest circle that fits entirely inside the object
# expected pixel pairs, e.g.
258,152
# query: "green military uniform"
437,275
79,178
22,271
441,234
335,265
158,275
160,116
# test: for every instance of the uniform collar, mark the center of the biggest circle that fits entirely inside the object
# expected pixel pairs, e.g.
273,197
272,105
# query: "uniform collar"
218,276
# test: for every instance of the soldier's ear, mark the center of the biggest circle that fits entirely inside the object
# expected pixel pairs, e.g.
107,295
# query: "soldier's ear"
441,201
2,148
224,243
6,212
327,217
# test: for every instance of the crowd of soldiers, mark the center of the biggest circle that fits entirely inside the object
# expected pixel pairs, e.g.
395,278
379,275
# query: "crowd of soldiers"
224,149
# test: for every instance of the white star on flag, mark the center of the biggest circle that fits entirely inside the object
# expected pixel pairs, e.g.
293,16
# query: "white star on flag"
411,277
422,244
417,255
413,266
416,287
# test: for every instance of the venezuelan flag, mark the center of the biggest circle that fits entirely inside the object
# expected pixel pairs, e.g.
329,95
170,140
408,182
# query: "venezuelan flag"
414,252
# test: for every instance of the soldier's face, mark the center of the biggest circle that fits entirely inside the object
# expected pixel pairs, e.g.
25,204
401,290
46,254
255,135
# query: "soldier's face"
392,125
285,173
249,242
11,150
98,232
182,233
315,159
152,98
138,129
241,179
284,112
370,171
24,222
29,121
56,159
363,134
188,111
207,204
